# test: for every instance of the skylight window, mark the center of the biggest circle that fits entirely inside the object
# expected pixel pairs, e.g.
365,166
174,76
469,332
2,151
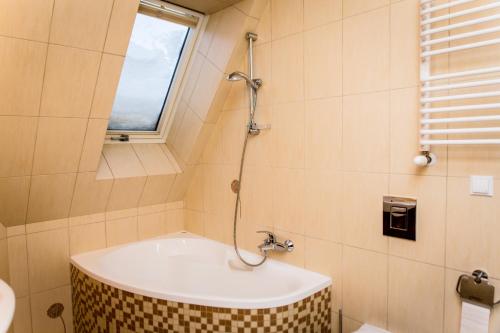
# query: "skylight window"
161,41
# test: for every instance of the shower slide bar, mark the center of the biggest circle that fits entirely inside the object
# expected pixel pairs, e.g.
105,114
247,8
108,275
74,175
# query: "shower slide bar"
458,25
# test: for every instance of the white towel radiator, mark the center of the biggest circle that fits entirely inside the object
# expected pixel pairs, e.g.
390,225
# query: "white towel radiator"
447,28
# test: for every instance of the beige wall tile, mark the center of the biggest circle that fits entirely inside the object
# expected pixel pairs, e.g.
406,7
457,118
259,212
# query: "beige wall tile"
70,77
366,51
22,316
50,197
364,283
257,199
353,7
350,325
151,225
323,204
23,64
18,265
58,145
469,160
42,301
156,190
193,73
87,237
404,131
121,231
126,193
319,12
120,26
415,288
251,7
13,200
366,132
103,170
194,222
81,24
232,127
153,159
288,199
430,193
17,154
48,259
208,35
227,34
323,61
123,161
287,17
287,66
187,136
151,209
16,230
92,145
174,220
26,19
323,134
263,29
107,83
471,229
405,47
47,225
4,260
181,184
86,219
287,135
119,214
206,87
362,210
91,195
326,258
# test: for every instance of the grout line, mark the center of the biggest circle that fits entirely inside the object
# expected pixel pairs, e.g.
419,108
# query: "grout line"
32,167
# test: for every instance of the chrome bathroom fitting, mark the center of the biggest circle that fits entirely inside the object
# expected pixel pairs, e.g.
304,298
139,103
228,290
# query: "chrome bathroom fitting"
271,243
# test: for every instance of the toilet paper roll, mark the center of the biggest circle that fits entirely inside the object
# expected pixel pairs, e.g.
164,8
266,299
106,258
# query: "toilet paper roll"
475,318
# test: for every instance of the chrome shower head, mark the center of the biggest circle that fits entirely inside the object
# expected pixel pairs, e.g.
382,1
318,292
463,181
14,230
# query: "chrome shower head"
238,76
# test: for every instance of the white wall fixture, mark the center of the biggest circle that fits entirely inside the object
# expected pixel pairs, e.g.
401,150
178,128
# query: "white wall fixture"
461,24
481,185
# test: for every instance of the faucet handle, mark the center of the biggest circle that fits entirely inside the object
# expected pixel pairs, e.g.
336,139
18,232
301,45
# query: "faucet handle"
271,237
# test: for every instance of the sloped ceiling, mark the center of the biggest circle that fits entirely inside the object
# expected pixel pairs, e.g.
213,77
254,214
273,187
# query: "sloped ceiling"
204,6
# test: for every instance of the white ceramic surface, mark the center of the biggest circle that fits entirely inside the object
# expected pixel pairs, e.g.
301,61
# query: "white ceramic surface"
186,268
7,306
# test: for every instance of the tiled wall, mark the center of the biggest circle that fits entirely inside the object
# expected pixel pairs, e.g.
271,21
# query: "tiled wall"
62,62
59,195
341,92
61,73
39,256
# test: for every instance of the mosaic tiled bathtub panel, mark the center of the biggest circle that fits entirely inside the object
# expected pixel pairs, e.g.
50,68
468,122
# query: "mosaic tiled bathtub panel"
99,308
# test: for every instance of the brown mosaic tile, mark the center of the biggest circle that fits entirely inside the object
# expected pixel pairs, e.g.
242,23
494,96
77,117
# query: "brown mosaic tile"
100,308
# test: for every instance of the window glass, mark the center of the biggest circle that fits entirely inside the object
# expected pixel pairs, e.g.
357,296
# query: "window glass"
154,51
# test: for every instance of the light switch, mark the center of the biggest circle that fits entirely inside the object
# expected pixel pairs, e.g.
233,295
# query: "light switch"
481,185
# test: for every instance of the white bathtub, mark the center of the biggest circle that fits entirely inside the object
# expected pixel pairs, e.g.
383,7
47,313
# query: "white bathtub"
186,268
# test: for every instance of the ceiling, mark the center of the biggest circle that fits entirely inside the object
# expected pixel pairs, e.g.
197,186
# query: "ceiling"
204,6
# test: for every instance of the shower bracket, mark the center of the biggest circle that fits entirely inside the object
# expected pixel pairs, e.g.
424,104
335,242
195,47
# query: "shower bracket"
254,128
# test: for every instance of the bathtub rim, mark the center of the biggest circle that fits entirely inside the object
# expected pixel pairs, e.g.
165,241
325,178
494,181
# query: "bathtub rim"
201,300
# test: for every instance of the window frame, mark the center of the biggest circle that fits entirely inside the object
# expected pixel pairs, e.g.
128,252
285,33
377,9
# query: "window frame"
178,81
